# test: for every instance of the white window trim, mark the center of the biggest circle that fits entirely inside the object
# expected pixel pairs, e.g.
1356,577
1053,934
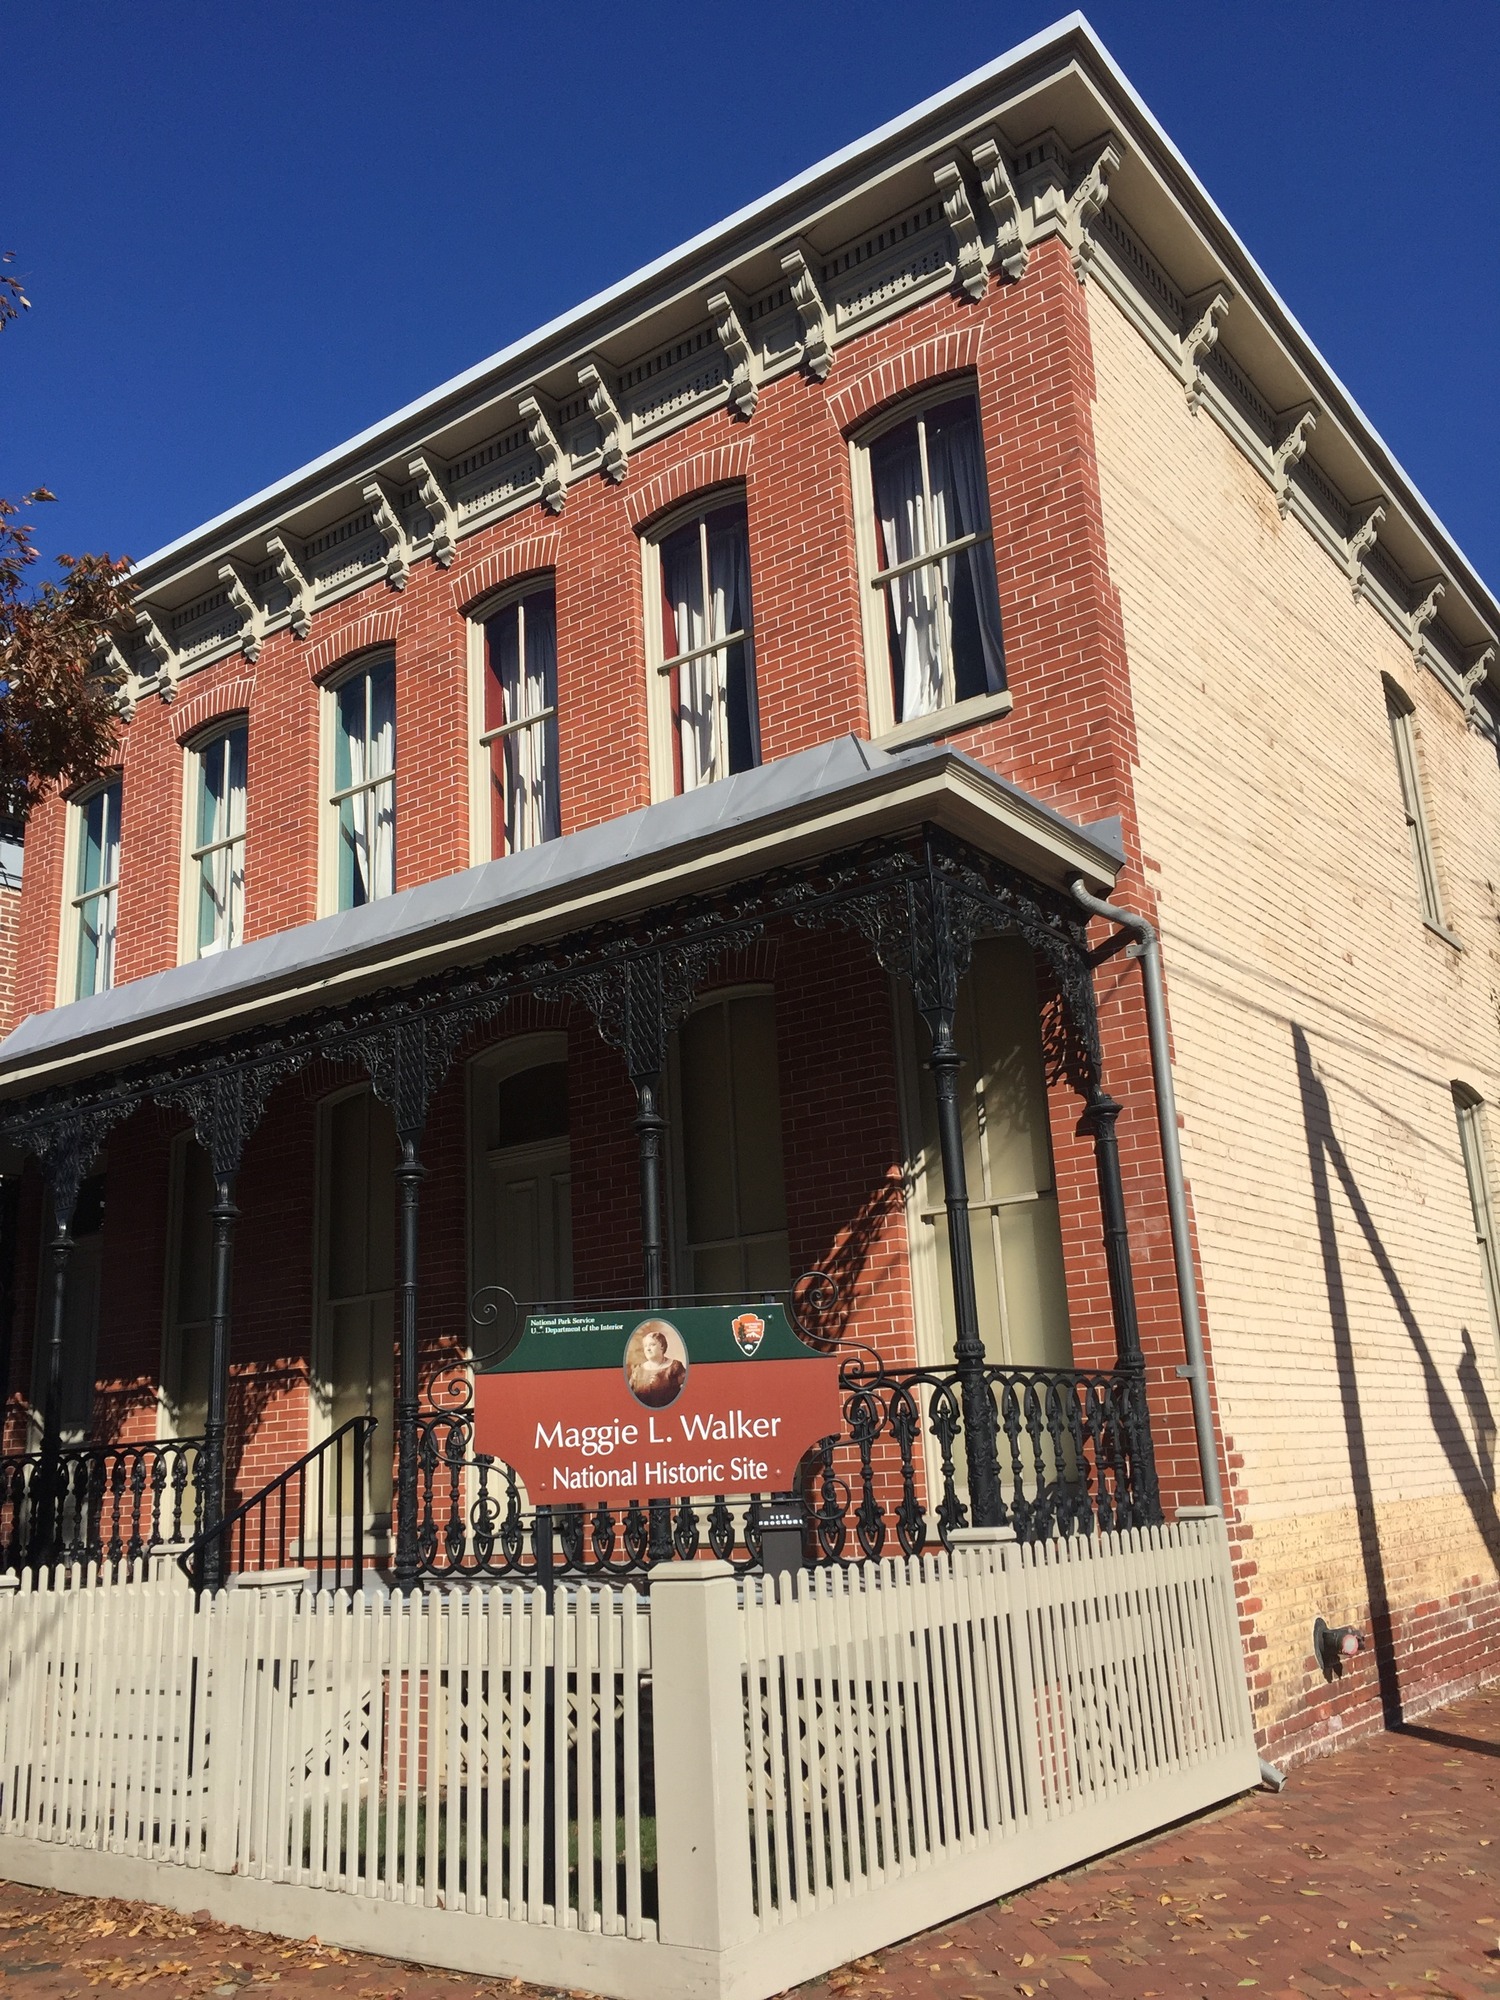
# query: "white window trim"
67,950
1469,1108
885,730
1401,714
328,812
531,584
661,751
192,750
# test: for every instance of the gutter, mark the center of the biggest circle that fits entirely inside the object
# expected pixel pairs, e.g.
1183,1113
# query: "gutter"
1147,948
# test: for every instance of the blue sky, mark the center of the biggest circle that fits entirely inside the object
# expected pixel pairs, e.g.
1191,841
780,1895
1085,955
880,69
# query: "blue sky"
250,231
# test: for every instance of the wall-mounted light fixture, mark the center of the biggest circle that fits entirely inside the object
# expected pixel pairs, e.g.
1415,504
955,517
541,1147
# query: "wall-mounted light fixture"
1333,1645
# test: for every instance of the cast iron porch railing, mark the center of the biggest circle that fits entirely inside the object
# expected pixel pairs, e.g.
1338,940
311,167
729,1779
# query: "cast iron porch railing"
99,1503
309,1517
1073,1444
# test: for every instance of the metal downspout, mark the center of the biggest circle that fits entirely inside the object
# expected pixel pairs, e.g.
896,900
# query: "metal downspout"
1148,950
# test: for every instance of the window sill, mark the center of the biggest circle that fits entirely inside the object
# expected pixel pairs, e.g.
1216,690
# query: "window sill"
1442,931
945,721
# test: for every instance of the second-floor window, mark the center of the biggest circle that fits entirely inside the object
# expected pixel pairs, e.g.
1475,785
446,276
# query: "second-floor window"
1400,711
218,851
364,783
937,608
706,661
519,722
96,889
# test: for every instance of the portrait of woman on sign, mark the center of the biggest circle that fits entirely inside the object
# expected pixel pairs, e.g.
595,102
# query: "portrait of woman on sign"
656,1364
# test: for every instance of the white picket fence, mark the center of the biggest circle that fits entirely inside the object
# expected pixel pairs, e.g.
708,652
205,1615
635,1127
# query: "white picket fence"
721,1791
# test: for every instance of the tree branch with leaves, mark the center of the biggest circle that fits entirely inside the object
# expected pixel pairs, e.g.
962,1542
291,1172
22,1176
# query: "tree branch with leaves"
58,714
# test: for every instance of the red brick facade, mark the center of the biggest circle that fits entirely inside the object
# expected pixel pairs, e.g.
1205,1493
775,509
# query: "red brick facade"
1069,739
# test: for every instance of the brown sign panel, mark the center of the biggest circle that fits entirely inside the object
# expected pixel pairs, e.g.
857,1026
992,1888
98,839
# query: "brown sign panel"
702,1399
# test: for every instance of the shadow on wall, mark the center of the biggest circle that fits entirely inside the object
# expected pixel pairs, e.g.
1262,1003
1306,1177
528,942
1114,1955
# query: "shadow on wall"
1330,1168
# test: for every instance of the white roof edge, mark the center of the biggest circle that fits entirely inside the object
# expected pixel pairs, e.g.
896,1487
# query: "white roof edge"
621,289
1058,33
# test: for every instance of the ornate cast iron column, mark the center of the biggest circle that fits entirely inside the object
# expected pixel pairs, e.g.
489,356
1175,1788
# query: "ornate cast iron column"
65,1143
940,953
637,999
407,1058
225,1106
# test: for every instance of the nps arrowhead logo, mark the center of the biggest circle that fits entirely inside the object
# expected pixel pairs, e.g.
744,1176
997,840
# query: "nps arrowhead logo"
749,1330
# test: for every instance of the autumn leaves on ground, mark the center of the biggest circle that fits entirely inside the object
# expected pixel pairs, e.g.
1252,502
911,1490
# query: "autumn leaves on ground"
1375,1873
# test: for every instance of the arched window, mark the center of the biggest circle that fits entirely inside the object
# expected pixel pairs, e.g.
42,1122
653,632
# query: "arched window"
701,644
517,721
92,906
1468,1105
932,612
732,1223
362,796
520,1200
216,840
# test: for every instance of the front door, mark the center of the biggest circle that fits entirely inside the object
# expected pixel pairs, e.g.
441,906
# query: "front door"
523,1222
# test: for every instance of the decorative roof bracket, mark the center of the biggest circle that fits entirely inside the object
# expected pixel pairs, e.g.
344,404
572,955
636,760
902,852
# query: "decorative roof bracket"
111,666
388,525
1423,615
1357,548
614,431
744,390
971,267
1474,676
444,515
1207,308
543,441
1086,203
1288,452
162,655
251,613
797,262
1009,251
296,585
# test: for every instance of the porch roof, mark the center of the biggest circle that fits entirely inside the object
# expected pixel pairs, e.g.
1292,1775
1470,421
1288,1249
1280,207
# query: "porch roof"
795,809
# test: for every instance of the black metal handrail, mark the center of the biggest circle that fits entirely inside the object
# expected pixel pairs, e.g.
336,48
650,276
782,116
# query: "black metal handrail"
109,1504
289,1522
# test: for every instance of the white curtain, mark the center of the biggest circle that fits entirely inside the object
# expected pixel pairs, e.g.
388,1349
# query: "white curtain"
368,713
528,689
918,676
729,590
698,681
960,506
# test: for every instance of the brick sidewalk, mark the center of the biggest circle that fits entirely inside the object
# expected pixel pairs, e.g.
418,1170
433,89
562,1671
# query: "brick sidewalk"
1374,1873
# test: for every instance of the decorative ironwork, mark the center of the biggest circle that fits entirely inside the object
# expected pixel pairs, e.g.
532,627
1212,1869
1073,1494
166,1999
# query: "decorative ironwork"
105,1504
920,901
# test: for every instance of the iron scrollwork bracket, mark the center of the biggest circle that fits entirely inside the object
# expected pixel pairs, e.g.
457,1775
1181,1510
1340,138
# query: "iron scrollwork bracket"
65,1138
637,997
407,1056
225,1106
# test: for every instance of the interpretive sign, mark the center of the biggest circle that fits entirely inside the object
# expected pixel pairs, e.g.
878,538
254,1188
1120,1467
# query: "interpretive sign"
592,1406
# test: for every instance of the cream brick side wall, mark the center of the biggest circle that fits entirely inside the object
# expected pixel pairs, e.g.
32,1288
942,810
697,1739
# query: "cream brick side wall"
1318,1028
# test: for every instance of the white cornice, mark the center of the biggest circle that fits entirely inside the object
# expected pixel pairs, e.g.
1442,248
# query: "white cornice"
1062,76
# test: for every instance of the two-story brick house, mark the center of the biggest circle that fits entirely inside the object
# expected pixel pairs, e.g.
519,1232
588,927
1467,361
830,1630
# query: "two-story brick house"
556,821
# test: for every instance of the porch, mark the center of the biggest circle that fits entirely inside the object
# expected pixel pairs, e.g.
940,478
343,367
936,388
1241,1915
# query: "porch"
888,869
